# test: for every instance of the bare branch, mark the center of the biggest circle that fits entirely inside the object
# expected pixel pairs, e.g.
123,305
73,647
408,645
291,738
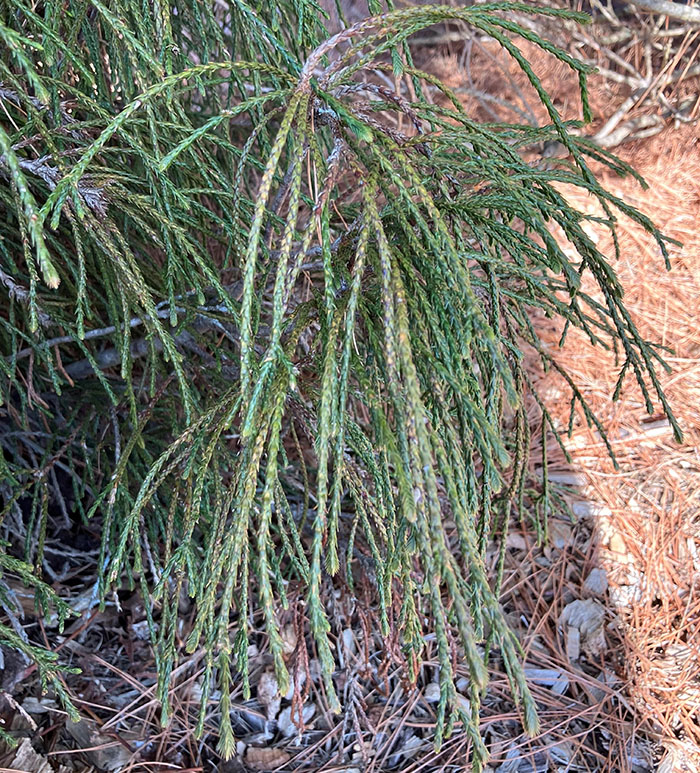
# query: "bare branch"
686,13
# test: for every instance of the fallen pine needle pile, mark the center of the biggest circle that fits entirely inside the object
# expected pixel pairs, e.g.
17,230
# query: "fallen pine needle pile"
646,514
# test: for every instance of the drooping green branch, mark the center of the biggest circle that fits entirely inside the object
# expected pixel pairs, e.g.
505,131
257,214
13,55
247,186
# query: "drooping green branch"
197,163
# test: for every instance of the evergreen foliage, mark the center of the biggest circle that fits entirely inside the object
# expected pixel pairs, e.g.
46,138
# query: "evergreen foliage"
265,300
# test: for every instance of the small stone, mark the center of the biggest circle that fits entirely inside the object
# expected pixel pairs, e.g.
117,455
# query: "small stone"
411,745
559,533
607,678
300,678
289,639
626,595
406,749
141,630
269,694
35,706
554,678
617,544
315,669
266,758
584,621
286,725
349,641
516,541
432,693
567,479
28,760
585,509
596,583
573,644
196,692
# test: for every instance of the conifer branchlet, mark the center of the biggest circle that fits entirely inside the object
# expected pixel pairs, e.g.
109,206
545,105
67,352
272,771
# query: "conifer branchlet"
266,296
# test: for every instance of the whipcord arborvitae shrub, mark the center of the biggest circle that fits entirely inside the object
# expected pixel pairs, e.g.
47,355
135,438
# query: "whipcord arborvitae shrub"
265,306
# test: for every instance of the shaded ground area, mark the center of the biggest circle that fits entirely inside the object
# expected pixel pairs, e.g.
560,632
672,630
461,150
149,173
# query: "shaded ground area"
606,612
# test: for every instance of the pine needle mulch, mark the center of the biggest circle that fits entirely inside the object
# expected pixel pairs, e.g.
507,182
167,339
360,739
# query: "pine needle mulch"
632,695
645,515
633,555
